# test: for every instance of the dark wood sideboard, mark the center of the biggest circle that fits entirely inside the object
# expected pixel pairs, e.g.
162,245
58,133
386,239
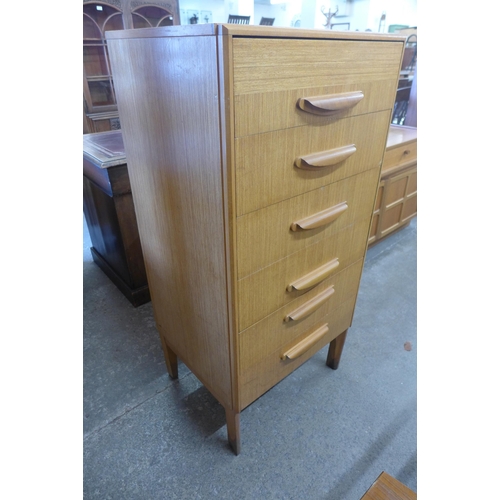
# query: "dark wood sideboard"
109,211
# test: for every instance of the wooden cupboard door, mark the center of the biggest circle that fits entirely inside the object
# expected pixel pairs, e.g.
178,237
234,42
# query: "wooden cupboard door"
265,236
399,201
267,168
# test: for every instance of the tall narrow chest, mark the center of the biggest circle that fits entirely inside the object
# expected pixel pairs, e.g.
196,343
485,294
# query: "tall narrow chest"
254,155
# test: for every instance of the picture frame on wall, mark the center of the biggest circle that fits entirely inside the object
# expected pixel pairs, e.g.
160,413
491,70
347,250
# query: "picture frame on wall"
205,17
341,26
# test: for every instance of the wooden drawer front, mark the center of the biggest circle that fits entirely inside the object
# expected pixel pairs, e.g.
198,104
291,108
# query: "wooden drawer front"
267,111
265,291
266,64
261,366
266,170
264,236
400,156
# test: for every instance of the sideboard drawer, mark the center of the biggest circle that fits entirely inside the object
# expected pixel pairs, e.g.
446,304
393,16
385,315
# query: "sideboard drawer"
265,291
261,363
275,166
265,236
400,156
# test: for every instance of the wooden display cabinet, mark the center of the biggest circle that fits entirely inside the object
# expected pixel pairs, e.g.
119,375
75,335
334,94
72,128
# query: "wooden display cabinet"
100,112
396,201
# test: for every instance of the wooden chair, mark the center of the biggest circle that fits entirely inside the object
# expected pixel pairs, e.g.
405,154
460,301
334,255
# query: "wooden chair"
233,19
267,21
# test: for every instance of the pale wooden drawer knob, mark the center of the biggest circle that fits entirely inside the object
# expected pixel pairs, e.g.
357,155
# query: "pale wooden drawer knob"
329,104
325,159
314,277
321,218
306,344
309,307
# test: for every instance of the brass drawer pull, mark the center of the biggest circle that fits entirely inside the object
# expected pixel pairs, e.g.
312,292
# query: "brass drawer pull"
306,344
311,306
321,218
329,104
325,158
314,277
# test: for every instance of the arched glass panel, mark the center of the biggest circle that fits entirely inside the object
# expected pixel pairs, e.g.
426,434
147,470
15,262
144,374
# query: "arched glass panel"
90,28
155,16
114,22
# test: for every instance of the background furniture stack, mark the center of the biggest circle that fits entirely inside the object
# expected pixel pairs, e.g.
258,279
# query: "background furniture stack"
255,178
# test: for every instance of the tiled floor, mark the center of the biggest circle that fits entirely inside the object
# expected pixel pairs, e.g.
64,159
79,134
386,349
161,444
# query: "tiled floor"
319,434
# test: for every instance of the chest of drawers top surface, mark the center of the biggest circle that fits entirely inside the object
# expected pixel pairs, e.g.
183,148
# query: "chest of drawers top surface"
254,154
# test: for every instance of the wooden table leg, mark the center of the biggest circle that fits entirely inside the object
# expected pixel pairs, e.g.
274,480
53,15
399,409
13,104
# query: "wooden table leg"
335,351
233,430
170,359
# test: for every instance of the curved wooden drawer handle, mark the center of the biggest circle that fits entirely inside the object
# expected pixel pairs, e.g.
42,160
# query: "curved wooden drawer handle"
306,344
309,307
329,104
325,158
314,277
321,218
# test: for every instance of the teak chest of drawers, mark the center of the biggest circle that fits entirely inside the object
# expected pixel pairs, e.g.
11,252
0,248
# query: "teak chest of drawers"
254,155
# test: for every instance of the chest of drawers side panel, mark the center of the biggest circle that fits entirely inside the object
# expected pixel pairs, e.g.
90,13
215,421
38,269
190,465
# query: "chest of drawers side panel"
168,98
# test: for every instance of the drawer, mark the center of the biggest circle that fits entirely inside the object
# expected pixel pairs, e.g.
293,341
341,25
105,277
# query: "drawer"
399,156
265,291
265,236
271,64
266,111
266,164
261,363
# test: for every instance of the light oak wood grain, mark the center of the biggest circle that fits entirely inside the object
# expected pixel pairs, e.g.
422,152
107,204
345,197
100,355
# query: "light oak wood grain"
265,291
265,162
264,236
259,31
263,64
275,110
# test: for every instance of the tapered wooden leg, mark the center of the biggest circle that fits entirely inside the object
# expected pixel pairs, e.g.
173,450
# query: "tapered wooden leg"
335,351
170,359
233,430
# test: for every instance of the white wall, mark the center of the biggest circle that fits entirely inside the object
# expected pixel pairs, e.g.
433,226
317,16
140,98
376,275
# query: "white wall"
362,14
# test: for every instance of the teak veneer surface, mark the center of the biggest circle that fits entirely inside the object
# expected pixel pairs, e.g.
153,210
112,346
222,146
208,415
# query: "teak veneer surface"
264,236
265,291
265,172
212,132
